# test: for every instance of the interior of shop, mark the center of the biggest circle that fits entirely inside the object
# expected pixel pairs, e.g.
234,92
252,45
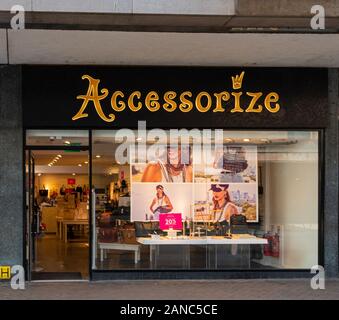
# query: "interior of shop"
269,178
61,189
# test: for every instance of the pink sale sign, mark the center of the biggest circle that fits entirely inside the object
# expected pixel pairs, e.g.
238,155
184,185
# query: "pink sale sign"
170,221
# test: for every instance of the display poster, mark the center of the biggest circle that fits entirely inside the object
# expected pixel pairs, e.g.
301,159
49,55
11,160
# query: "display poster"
202,185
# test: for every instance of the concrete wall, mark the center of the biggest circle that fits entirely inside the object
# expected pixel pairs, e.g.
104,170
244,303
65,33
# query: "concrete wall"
196,7
203,7
331,196
282,8
11,167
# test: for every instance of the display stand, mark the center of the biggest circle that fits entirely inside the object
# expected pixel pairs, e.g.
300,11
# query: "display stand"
171,234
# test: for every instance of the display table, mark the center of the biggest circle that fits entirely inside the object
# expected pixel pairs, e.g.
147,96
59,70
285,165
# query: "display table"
49,218
236,239
66,223
239,244
103,246
59,227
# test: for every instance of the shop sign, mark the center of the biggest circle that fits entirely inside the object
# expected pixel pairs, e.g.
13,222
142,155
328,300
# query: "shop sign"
172,100
95,97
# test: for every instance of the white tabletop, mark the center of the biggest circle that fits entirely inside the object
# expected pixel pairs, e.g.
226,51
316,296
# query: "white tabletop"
236,239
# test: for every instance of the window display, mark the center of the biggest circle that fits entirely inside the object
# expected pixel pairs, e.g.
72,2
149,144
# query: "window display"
246,201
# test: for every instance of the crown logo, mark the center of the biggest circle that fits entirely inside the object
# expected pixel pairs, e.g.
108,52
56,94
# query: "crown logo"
237,81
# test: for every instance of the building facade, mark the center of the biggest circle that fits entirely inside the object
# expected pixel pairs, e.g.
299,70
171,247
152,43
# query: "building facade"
76,76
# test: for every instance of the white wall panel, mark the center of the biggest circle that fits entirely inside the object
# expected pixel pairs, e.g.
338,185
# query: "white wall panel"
150,48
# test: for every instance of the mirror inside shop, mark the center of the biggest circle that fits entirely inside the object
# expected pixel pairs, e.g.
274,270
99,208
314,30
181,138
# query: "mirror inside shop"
220,200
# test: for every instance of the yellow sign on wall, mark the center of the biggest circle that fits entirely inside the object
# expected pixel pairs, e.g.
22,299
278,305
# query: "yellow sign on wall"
5,272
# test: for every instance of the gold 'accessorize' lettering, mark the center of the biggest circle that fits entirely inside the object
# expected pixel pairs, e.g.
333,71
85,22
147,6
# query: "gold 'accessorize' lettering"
252,106
237,107
151,101
222,96
272,98
185,101
186,105
170,105
120,106
92,95
131,104
200,107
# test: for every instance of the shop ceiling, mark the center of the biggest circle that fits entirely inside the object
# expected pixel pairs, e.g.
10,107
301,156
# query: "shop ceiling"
172,32
158,48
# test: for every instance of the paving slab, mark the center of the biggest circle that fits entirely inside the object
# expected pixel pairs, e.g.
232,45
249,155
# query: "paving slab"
174,290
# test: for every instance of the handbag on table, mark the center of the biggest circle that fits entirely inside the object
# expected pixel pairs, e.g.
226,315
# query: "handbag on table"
238,224
108,234
145,229
43,192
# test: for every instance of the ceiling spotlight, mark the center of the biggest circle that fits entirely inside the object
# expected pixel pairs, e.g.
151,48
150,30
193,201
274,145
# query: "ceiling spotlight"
228,140
86,162
138,139
39,174
246,140
98,156
67,142
265,140
73,174
49,165
79,165
59,155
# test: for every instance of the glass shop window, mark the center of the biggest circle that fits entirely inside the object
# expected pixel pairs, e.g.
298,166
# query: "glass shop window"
205,199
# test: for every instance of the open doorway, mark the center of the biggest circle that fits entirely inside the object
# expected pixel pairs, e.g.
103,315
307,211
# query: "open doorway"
57,199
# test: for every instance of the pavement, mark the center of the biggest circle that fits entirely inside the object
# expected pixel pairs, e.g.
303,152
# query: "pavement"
262,289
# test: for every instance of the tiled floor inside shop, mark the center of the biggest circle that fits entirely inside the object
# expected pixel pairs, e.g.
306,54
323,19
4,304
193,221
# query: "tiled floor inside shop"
56,256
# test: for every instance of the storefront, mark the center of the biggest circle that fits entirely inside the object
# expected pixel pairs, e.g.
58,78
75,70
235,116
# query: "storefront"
191,172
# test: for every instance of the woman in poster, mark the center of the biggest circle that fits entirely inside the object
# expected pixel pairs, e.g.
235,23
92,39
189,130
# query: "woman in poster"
174,166
161,202
223,207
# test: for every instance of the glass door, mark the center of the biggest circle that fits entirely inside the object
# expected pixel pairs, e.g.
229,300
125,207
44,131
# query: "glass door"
57,205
